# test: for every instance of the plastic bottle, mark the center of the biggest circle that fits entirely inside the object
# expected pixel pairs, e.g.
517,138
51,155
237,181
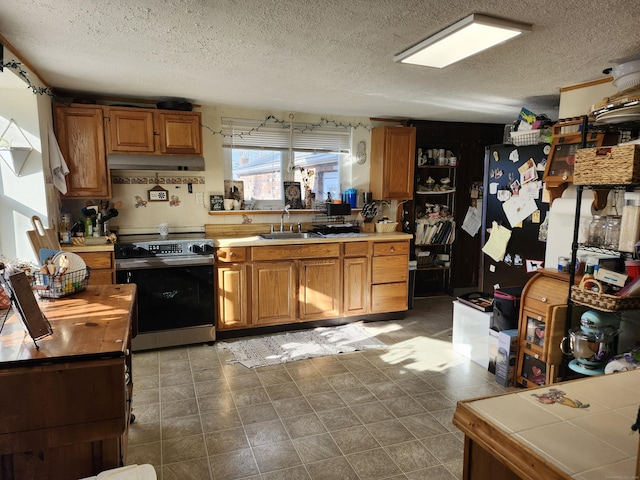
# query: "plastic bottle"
88,227
630,225
65,227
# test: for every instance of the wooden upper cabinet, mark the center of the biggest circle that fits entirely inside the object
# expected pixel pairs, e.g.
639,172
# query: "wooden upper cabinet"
153,132
392,162
80,134
129,130
180,133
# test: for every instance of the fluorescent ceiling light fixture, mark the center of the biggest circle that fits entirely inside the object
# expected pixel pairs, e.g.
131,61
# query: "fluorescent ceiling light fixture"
469,36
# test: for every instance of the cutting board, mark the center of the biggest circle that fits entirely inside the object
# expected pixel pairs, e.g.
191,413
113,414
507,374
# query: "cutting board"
41,237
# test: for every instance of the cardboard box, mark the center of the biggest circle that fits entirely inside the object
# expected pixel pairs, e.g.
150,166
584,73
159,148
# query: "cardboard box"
493,350
611,277
470,337
507,356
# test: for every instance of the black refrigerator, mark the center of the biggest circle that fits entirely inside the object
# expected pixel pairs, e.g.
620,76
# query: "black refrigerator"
513,200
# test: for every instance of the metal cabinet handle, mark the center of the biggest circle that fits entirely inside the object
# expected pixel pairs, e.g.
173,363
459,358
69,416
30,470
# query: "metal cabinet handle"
393,249
232,254
544,299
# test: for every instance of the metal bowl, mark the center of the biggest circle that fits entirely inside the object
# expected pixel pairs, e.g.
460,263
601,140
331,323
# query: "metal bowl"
589,349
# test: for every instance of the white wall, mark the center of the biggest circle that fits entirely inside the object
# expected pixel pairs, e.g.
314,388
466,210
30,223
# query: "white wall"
25,195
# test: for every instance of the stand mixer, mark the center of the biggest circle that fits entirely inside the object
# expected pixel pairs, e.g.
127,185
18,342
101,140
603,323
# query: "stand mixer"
593,343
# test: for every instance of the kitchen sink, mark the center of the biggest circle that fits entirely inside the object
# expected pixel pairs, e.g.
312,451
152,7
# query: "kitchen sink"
288,235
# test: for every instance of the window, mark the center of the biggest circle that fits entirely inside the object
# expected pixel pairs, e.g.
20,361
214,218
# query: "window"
264,155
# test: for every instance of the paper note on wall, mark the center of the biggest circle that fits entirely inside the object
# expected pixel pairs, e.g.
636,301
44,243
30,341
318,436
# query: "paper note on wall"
496,246
518,208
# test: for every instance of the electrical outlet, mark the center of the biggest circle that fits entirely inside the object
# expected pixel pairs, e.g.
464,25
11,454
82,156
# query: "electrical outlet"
199,198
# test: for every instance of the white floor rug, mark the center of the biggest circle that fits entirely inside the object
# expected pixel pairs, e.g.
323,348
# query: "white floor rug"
291,346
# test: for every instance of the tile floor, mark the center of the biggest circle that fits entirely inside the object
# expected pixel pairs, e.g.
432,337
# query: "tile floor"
375,414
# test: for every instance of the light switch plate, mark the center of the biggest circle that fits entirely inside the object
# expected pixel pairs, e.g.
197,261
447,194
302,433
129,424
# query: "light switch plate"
199,198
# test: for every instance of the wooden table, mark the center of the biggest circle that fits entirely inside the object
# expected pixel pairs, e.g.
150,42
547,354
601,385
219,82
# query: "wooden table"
515,436
65,407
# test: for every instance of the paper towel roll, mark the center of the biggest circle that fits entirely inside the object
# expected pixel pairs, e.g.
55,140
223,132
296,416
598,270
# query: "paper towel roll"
560,229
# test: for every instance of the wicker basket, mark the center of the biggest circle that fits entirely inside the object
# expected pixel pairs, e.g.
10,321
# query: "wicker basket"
525,137
61,285
618,165
602,301
386,227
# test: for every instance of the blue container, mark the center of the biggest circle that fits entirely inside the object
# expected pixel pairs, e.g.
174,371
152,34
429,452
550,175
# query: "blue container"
351,197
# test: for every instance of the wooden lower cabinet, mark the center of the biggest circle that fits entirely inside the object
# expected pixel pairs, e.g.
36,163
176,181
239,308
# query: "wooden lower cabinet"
102,265
232,296
320,289
273,293
356,286
282,284
389,277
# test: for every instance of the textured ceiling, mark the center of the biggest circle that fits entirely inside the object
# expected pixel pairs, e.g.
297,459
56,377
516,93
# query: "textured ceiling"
325,57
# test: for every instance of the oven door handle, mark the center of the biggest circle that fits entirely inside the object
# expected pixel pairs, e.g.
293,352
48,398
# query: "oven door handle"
164,262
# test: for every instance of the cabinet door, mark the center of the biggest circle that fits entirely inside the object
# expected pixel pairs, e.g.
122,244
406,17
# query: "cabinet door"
130,130
319,294
102,267
232,296
356,286
392,162
180,133
273,293
80,134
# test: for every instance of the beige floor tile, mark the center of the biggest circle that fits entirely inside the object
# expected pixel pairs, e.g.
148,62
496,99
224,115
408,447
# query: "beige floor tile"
355,439
390,432
373,464
276,456
198,468
317,447
321,419
332,469
304,425
265,433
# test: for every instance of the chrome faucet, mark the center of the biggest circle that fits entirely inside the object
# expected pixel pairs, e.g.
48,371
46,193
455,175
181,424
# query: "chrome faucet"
286,210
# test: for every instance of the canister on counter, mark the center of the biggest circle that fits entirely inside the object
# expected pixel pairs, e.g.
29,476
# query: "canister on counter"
630,224
563,264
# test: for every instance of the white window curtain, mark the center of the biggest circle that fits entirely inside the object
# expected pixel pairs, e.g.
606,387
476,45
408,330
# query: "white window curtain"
302,137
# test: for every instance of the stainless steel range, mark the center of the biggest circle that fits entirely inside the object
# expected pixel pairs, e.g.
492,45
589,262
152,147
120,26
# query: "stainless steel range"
174,275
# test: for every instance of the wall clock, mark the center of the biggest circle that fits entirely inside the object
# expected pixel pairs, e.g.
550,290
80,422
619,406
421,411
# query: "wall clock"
361,152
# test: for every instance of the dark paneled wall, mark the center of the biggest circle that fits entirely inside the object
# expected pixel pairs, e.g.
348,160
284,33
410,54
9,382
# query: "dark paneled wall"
470,138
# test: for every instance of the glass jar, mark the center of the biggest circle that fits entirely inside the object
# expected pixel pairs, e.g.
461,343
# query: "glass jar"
597,230
612,232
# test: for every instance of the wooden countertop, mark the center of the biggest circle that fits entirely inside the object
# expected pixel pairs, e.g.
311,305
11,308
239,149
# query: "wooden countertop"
256,241
95,322
104,247
553,440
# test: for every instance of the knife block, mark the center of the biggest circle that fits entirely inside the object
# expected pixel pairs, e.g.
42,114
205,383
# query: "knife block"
369,227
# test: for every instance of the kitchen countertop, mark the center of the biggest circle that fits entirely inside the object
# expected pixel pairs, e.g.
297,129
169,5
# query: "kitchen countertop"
553,440
103,247
256,241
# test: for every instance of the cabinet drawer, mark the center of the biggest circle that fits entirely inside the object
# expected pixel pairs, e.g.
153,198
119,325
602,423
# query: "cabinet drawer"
389,297
356,249
231,254
289,252
102,277
389,269
390,248
98,260
543,292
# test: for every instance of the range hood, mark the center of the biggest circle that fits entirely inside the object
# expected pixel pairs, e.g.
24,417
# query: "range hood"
155,162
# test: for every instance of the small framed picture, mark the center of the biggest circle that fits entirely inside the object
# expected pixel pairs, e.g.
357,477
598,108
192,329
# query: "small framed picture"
216,203
158,194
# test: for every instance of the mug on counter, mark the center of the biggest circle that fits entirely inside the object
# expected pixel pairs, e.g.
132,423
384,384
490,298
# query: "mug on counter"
163,229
